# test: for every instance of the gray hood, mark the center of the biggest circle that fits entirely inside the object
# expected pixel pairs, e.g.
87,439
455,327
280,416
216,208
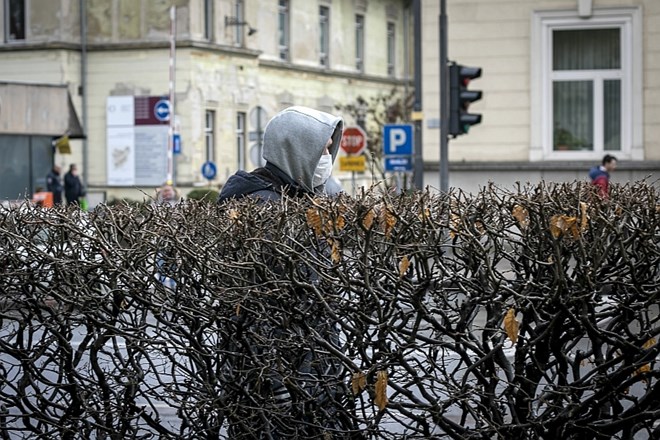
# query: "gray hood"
294,141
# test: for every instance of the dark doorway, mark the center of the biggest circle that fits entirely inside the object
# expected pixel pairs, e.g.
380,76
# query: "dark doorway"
24,163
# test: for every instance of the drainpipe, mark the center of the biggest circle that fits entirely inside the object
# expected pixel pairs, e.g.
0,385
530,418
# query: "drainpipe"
406,42
83,87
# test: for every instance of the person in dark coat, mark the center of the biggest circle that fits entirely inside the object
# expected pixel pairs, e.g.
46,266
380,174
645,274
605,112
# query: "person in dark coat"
73,187
302,399
54,184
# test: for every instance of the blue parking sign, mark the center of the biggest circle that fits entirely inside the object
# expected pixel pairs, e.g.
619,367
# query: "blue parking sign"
398,163
398,139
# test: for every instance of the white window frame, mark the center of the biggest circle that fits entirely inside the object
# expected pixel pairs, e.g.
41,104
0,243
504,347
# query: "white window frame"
209,135
283,10
629,21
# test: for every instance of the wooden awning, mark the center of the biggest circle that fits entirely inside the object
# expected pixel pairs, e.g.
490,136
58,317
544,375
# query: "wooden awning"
38,109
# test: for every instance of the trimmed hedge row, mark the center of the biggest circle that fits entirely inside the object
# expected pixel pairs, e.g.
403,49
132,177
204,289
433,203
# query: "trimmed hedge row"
507,314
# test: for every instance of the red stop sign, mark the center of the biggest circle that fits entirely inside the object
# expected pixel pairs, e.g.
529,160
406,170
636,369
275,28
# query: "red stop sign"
353,140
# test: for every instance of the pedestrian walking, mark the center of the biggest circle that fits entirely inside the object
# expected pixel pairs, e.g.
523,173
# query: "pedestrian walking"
73,187
600,174
302,399
54,184
167,195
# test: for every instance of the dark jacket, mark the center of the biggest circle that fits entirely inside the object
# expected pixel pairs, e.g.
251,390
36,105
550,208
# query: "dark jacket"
73,188
294,141
54,185
267,183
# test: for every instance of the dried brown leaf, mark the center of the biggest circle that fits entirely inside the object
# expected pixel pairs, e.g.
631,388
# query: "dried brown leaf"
584,217
314,220
521,215
388,220
425,214
454,225
381,390
646,367
479,226
561,224
336,252
358,382
368,219
404,265
511,325
340,223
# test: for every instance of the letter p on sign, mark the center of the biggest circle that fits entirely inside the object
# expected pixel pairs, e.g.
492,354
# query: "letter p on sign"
398,139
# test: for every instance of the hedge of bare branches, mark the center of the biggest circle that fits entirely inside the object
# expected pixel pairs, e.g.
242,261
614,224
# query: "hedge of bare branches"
508,314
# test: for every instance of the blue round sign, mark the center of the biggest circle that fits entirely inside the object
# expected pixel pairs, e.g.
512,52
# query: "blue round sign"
209,170
162,110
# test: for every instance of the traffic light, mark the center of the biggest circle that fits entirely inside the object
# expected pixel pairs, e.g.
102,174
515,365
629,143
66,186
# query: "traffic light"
460,98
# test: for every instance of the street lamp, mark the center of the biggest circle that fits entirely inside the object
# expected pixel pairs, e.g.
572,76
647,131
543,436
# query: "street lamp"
233,21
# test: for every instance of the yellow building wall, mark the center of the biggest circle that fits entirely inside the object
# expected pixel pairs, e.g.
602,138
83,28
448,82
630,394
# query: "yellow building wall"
128,54
495,35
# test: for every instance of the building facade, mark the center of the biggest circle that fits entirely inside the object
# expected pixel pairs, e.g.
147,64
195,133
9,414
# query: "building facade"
564,82
228,65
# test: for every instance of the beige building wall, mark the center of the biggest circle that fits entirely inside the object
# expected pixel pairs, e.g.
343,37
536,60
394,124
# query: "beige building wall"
497,36
128,54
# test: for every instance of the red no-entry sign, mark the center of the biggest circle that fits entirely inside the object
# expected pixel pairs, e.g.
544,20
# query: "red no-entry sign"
354,140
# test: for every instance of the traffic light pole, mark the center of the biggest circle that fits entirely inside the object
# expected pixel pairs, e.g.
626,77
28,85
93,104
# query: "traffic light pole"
444,101
418,166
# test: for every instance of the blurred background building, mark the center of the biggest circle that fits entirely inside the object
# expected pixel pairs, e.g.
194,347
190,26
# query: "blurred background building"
564,82
236,64
83,81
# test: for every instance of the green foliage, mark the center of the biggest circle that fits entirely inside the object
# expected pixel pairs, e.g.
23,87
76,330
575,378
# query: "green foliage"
206,194
125,201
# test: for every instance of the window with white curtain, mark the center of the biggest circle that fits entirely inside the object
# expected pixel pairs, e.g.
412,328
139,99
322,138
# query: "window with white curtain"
240,140
359,42
324,35
209,135
391,48
586,89
283,29
239,11
584,78
208,20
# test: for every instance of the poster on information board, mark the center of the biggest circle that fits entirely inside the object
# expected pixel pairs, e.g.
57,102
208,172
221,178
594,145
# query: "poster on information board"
137,130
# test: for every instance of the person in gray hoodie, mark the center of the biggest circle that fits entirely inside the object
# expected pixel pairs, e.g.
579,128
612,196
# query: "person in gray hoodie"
300,146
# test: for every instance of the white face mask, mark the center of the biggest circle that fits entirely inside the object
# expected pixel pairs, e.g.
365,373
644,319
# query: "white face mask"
323,170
